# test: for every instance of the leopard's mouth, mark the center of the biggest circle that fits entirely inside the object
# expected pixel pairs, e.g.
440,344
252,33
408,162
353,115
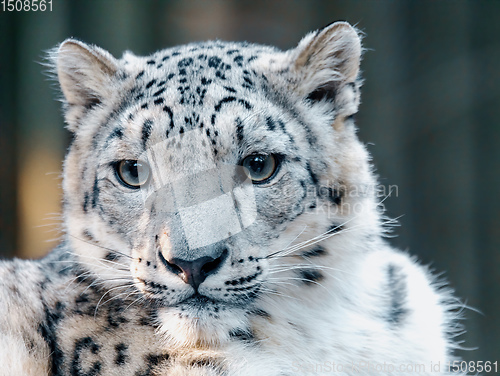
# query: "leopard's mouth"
198,300
203,307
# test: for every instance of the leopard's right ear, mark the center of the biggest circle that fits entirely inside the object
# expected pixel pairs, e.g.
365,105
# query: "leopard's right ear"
86,75
325,68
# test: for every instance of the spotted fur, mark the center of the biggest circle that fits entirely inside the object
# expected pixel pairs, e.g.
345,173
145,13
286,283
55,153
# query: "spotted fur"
199,269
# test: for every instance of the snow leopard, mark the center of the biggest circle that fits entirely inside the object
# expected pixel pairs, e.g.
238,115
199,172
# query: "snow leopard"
221,217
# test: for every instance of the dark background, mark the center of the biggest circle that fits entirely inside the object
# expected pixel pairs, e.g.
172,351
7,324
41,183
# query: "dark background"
430,114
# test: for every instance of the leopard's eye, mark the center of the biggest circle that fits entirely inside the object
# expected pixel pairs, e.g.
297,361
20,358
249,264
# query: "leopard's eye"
260,168
132,173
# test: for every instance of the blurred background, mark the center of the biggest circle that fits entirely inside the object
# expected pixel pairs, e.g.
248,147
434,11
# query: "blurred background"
430,116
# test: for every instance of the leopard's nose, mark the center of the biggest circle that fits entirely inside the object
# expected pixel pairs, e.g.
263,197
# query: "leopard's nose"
194,272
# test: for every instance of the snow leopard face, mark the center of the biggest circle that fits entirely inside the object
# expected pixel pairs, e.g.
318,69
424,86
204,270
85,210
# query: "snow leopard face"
202,175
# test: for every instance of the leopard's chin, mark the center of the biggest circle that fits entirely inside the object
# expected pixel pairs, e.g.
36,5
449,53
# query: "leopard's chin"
200,320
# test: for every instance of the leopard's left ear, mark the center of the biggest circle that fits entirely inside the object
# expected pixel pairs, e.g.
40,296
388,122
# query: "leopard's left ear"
86,74
326,66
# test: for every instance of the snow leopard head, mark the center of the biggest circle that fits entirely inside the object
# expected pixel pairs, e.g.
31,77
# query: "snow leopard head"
216,178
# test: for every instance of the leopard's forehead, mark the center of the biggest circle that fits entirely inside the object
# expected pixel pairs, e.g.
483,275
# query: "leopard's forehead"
197,75
212,58
207,90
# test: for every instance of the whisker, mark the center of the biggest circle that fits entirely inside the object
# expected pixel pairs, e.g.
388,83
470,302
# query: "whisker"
323,236
100,246
306,266
312,241
102,297
102,260
386,197
281,282
300,233
301,280
277,293
123,293
141,297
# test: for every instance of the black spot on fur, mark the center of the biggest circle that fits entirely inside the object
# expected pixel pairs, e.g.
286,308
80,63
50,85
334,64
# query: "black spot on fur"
242,335
111,256
141,73
283,128
170,114
220,75
117,133
150,83
85,344
311,276
243,280
247,105
335,196
85,202
314,177
261,313
214,62
270,124
146,321
238,60
223,101
185,62
47,330
248,82
205,81
95,193
206,362
315,252
152,361
321,93
159,101
239,130
335,228
159,92
114,314
396,284
121,354
147,128
83,298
